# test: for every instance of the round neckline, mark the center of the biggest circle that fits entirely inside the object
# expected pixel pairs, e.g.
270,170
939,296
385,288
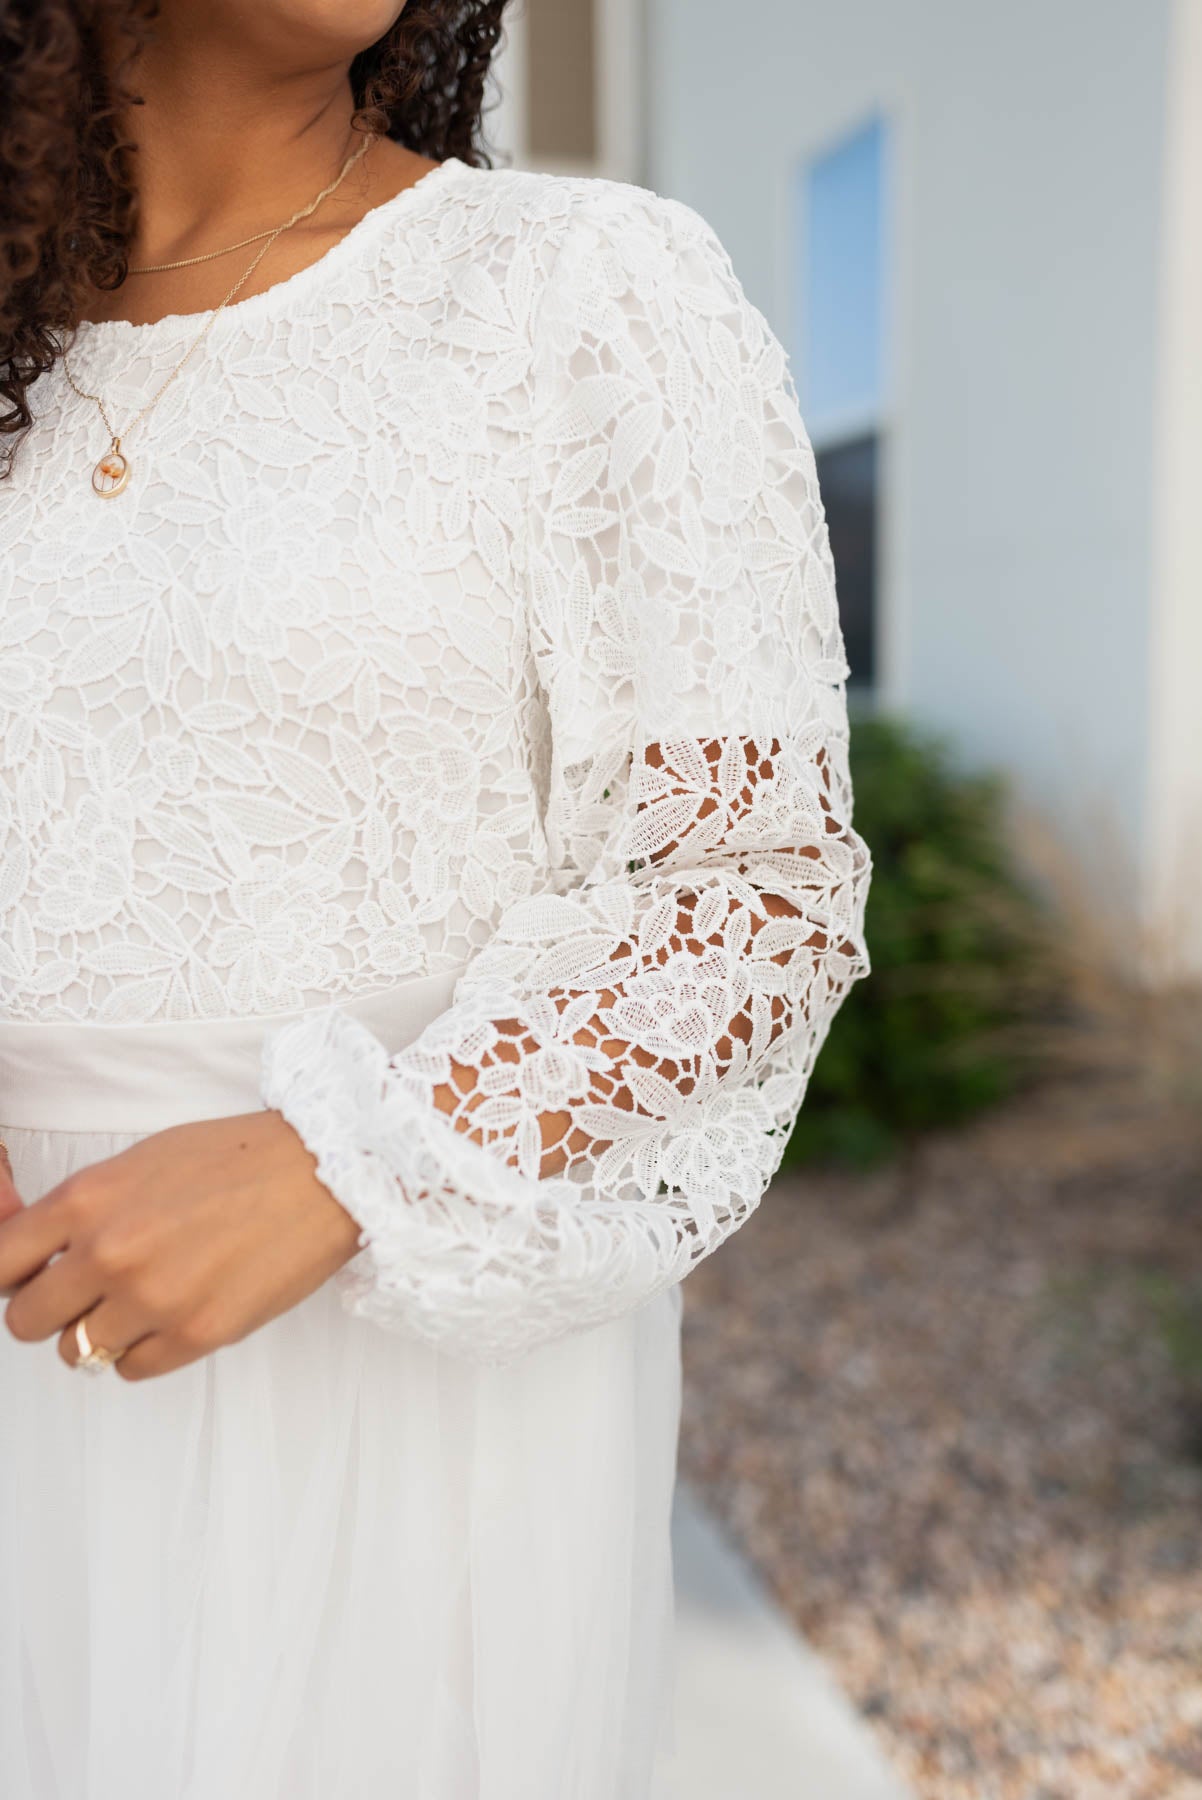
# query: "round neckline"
290,287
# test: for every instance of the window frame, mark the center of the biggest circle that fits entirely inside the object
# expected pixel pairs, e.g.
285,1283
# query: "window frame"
620,61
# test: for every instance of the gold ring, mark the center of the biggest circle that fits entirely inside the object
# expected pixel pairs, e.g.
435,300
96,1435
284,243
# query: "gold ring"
91,1356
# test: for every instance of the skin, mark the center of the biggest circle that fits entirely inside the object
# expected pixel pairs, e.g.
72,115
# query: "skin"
10,1200
246,116
187,1241
196,1236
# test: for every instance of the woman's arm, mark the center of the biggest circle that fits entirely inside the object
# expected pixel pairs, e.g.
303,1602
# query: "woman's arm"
612,1086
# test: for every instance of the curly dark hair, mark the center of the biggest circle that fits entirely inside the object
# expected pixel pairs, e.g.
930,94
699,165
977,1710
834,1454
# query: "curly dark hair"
68,196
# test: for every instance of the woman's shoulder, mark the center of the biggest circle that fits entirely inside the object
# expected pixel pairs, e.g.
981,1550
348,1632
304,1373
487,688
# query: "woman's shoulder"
505,259
541,206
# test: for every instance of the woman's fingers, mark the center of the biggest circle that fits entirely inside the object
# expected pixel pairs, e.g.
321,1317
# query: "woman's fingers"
158,1353
52,1298
70,1288
111,1325
10,1200
29,1236
94,1247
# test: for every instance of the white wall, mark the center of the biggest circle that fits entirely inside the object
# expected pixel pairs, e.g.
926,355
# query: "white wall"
1019,537
1174,836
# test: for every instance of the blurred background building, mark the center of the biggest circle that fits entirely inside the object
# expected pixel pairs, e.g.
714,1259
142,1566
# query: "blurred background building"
978,232
945,1390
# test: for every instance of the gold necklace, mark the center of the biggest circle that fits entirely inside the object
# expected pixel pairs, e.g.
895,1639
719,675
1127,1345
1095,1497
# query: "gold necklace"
189,262
111,474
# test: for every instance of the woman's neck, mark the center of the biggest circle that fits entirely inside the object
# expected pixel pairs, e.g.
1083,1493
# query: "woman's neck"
226,146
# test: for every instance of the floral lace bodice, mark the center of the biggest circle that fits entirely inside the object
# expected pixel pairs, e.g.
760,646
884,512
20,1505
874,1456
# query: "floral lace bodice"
470,609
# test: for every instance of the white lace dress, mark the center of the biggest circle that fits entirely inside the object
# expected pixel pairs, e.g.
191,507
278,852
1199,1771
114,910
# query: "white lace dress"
454,695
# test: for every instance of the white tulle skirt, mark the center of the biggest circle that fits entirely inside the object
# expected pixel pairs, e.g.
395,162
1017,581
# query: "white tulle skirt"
327,1562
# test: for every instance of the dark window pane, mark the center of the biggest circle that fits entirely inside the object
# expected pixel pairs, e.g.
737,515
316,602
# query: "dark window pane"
848,478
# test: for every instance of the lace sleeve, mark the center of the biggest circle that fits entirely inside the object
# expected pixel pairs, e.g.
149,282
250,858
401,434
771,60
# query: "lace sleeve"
611,1088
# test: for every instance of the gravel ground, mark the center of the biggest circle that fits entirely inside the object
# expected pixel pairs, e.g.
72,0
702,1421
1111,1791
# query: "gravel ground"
950,1412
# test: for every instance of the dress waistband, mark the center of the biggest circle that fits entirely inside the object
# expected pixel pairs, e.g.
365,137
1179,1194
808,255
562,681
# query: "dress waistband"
142,1078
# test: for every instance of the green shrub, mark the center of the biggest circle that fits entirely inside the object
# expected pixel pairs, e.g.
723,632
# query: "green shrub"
1177,1307
934,1034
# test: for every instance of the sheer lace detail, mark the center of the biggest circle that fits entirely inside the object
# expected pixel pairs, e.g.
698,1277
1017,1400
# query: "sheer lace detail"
610,1091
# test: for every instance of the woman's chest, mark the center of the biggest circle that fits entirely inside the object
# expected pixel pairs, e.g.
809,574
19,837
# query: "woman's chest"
277,690
322,540
271,607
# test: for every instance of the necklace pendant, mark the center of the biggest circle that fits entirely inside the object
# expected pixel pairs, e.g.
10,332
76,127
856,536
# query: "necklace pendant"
110,477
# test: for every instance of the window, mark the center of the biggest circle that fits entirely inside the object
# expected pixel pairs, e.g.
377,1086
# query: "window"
841,331
561,80
570,77
848,477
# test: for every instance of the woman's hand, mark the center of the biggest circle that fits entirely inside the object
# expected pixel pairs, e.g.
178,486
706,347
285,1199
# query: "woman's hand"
186,1241
10,1200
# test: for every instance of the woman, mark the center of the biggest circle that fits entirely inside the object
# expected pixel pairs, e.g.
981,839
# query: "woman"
426,877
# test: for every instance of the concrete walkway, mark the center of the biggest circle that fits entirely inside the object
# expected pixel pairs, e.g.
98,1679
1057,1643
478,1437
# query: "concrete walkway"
758,1716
